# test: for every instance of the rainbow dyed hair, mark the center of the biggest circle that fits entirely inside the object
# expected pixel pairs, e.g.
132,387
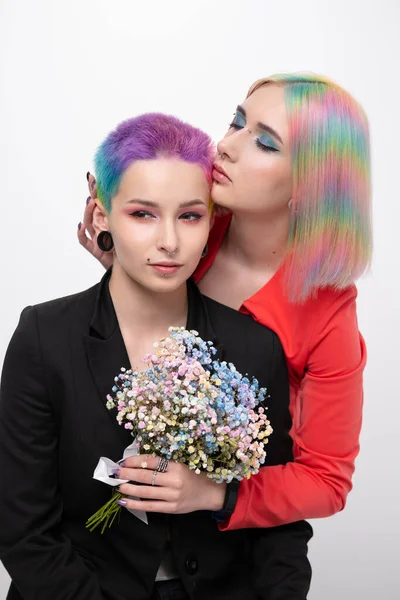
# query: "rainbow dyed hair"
148,137
330,240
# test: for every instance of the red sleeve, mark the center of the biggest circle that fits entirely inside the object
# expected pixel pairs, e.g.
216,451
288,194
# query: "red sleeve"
327,411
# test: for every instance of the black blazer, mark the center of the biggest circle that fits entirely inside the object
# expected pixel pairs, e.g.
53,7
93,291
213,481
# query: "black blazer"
54,426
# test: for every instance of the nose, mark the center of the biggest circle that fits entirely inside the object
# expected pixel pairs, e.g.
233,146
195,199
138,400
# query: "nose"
168,238
222,149
230,145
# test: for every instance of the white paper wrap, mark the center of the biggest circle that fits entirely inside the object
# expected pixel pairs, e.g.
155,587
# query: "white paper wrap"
103,472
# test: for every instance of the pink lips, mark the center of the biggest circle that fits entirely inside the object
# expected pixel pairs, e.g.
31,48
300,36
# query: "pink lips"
220,175
165,268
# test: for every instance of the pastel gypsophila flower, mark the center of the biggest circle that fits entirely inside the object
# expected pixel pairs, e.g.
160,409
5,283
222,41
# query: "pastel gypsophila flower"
190,407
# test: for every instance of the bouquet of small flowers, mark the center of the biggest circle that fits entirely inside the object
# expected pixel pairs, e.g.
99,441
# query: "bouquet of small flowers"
189,407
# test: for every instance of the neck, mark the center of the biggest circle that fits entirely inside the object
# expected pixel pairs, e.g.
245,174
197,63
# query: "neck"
258,241
144,310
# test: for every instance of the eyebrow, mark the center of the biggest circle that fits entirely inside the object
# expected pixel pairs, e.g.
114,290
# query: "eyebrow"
151,204
262,126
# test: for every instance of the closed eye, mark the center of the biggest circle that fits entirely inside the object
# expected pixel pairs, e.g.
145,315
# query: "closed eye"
264,147
234,125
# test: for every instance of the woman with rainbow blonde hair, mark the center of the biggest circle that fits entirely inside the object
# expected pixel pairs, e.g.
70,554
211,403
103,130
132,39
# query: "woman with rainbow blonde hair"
293,174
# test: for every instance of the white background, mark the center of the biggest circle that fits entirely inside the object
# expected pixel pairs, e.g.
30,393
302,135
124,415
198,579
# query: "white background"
72,70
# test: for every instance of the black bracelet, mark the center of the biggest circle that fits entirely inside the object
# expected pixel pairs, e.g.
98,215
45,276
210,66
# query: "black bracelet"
231,496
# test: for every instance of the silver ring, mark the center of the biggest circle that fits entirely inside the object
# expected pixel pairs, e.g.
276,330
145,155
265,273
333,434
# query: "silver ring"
172,253
153,481
163,464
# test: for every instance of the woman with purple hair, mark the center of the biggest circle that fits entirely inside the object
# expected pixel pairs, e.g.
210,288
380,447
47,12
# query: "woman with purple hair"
152,218
293,176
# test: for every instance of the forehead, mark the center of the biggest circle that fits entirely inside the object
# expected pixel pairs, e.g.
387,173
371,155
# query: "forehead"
163,176
267,105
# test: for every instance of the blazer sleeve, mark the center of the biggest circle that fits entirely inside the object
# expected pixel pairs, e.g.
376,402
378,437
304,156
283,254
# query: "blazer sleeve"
38,557
281,569
327,416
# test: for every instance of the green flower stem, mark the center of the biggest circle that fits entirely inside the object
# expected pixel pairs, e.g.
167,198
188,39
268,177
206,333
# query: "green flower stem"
106,514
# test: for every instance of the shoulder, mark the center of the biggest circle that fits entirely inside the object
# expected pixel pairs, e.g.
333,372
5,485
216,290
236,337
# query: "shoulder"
235,327
335,344
332,308
253,348
330,300
53,315
225,315
58,305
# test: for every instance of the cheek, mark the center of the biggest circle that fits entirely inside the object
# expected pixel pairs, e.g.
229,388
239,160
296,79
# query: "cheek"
131,237
272,176
195,237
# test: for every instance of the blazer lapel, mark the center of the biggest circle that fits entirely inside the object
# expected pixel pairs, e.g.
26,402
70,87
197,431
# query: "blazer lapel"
106,350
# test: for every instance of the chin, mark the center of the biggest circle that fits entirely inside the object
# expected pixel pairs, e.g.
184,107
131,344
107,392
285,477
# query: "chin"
221,196
164,285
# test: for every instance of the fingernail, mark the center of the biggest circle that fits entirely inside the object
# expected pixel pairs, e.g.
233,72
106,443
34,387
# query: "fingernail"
122,463
87,200
121,502
87,175
79,225
115,472
92,185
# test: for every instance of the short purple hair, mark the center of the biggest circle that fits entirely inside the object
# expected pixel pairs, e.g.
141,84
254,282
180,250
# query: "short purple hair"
148,137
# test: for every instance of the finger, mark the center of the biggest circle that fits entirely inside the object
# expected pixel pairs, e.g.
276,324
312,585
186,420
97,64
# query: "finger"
151,462
151,492
158,506
88,218
146,476
92,185
84,240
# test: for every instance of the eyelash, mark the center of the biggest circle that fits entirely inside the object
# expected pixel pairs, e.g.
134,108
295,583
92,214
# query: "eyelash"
141,214
193,216
144,215
265,148
257,141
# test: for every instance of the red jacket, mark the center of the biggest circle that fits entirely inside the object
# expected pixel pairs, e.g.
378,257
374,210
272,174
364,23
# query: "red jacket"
326,357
